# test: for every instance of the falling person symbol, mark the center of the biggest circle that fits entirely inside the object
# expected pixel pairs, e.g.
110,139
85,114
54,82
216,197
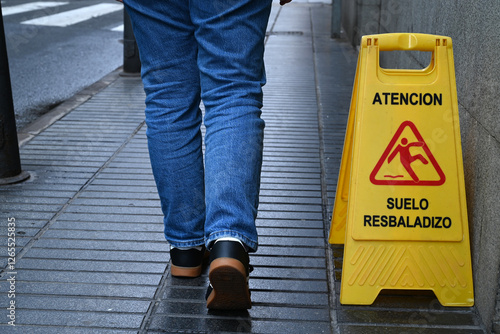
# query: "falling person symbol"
407,158
385,173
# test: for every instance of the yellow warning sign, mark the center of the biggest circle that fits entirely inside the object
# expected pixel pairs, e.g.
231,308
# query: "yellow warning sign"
400,204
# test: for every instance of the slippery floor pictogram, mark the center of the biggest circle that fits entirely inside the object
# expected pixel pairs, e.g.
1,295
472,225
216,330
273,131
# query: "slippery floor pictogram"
407,160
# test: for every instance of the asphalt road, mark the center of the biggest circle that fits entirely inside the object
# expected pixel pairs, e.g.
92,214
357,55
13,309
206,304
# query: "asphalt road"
50,63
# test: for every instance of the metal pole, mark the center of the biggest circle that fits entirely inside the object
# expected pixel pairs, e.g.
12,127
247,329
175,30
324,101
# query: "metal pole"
336,18
10,161
131,61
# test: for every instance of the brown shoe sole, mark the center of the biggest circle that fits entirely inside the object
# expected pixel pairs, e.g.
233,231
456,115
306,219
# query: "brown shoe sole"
230,287
185,271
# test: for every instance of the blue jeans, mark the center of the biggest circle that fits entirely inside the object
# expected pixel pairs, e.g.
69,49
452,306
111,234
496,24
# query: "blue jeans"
211,51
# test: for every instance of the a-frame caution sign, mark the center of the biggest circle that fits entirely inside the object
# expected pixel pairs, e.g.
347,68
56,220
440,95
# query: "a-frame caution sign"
400,206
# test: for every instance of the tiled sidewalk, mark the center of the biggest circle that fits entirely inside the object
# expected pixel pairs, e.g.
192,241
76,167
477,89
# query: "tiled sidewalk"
91,252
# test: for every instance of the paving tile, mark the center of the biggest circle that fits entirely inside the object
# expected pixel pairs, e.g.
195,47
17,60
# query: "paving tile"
90,277
360,329
67,303
95,266
107,226
33,207
123,210
290,251
268,221
20,241
83,319
193,291
109,235
91,254
289,215
298,241
295,262
105,245
298,273
234,325
93,217
65,330
122,189
293,298
81,290
139,196
266,197
23,215
410,316
280,284
290,208
290,232
41,199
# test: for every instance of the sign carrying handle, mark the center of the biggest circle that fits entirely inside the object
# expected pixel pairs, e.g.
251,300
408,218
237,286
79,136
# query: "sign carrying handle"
409,42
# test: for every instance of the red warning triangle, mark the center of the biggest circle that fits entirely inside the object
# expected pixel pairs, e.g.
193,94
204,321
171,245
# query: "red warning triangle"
398,153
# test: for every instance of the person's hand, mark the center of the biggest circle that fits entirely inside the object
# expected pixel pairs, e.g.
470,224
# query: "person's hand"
284,2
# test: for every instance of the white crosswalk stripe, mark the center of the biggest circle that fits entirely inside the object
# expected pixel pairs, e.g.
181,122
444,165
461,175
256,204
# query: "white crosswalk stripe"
27,7
121,27
74,16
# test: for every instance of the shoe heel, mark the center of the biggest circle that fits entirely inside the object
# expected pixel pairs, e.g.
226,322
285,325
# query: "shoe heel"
230,286
190,272
187,263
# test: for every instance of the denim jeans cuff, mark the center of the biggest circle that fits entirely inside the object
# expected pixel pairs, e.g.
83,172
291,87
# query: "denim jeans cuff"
252,245
186,244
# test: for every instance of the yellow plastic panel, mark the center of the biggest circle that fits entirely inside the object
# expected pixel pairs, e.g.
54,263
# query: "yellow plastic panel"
404,209
339,217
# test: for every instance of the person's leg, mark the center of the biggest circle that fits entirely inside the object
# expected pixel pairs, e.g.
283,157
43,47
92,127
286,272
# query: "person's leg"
168,52
230,35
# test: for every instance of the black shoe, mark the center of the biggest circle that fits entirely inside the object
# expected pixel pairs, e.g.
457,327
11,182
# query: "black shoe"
186,263
229,269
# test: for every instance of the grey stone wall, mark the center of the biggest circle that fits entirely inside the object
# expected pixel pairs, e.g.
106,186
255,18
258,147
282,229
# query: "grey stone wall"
474,27
496,320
